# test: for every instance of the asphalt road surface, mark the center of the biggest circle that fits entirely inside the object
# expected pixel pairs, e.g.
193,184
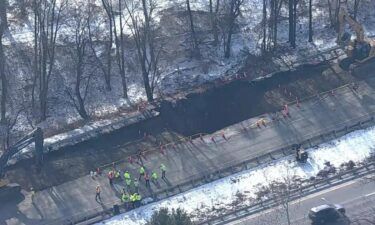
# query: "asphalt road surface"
357,197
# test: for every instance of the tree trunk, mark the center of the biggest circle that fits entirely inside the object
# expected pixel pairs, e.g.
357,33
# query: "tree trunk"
107,76
228,42
146,81
120,53
213,17
292,23
356,6
233,14
81,105
3,83
3,27
310,22
143,55
36,57
196,51
287,212
264,26
107,4
48,25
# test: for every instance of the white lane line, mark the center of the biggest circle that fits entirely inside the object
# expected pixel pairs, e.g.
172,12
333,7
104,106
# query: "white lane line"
368,195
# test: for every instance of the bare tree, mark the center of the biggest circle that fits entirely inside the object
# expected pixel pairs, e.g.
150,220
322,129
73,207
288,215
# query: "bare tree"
334,9
281,191
3,27
4,84
269,24
147,47
47,21
233,10
94,33
120,50
214,10
273,24
79,25
292,22
107,4
310,22
264,25
356,6
196,52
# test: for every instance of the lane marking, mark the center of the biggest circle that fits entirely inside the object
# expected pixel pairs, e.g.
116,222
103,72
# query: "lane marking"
368,195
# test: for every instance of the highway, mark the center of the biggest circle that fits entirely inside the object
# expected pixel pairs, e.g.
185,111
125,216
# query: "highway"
357,196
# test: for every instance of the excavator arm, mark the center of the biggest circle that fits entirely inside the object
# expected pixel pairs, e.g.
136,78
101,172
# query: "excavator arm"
344,18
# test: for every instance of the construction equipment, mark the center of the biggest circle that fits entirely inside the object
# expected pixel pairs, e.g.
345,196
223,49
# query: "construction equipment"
360,49
36,136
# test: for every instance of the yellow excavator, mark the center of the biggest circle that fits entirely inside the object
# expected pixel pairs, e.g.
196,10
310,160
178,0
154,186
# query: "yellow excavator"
360,49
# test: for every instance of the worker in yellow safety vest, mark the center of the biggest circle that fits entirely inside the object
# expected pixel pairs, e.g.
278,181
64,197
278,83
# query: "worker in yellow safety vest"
133,199
163,170
138,199
125,199
141,172
127,178
154,176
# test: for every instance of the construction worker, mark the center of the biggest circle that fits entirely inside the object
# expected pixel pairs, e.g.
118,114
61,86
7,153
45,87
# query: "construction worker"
125,198
127,179
163,169
154,176
138,199
97,196
136,184
147,180
127,175
117,174
133,199
111,176
141,172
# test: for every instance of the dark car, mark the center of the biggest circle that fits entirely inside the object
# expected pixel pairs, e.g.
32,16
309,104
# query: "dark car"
326,213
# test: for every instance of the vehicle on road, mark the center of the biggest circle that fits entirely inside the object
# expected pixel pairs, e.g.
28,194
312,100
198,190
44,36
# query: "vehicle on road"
326,213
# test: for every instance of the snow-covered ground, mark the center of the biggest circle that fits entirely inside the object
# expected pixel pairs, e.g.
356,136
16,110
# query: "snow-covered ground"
208,199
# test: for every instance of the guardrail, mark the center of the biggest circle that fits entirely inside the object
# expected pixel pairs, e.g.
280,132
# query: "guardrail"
294,194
